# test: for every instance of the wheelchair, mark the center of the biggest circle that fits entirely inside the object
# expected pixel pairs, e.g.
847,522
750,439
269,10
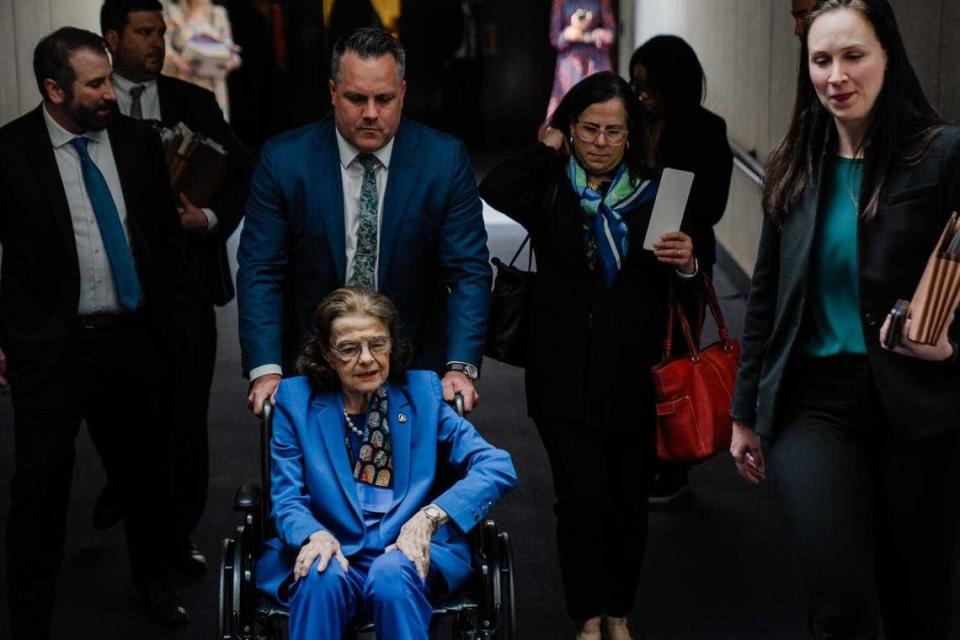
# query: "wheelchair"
485,609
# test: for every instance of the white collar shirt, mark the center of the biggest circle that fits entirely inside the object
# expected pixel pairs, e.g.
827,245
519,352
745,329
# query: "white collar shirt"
98,293
149,99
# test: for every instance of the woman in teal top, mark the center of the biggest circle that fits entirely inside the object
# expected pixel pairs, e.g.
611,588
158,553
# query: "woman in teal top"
863,443
832,322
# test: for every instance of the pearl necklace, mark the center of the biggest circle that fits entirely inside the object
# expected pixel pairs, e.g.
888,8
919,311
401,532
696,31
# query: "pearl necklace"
350,425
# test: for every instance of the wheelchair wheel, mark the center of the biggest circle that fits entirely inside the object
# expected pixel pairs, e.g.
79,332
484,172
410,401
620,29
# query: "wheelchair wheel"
507,624
225,609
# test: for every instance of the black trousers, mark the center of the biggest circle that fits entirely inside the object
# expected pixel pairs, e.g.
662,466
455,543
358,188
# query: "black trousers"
872,518
190,453
110,377
186,414
600,480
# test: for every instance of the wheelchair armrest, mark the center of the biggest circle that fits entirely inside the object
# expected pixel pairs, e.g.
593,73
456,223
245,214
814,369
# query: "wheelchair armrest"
247,498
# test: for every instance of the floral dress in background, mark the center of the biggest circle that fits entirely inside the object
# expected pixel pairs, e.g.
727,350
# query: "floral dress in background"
577,60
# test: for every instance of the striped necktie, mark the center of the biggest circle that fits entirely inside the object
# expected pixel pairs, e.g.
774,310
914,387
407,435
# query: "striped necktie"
365,260
111,229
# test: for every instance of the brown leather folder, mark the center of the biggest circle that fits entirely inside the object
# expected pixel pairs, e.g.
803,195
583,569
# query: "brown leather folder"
197,165
938,294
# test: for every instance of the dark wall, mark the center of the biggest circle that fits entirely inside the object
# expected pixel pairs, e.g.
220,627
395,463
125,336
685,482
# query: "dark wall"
519,73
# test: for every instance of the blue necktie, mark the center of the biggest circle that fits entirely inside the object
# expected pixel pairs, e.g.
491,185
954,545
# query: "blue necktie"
111,229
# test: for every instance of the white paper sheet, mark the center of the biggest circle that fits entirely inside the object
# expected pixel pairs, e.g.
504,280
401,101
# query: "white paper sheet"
671,202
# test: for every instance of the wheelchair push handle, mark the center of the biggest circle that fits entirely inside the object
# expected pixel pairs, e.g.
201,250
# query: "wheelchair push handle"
268,411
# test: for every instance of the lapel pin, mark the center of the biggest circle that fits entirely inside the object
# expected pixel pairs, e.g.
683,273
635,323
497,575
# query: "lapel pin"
402,418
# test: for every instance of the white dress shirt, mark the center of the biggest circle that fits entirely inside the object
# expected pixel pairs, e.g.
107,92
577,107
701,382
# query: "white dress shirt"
150,109
351,178
98,293
149,99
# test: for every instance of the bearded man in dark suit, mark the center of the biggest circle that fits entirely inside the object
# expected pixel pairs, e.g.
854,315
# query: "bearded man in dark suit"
93,273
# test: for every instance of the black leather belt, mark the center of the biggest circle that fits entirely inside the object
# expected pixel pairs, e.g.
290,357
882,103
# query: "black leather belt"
104,320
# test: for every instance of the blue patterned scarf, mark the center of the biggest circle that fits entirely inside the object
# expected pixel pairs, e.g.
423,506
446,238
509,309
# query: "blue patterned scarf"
604,213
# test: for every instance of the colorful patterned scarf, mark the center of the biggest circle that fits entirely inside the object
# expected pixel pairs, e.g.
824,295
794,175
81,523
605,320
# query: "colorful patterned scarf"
604,225
374,465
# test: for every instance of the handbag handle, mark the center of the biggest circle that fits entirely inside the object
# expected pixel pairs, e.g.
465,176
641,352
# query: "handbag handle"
675,310
519,249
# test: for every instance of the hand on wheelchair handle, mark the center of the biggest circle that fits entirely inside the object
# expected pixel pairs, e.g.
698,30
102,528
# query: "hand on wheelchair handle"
414,542
263,389
454,383
324,545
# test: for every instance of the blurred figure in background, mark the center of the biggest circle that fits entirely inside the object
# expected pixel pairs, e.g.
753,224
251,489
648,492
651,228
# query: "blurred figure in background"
582,31
800,9
668,78
199,31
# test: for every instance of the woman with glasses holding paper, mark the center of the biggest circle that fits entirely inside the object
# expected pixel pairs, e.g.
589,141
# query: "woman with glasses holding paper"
357,445
863,440
597,314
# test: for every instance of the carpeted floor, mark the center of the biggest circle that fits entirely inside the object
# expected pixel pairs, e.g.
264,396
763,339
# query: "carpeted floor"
716,564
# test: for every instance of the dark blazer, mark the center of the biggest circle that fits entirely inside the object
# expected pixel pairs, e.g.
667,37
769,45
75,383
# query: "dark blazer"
433,260
40,274
921,398
207,255
698,143
312,483
590,347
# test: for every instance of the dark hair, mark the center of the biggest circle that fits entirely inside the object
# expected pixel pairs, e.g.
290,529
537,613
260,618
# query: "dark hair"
368,42
51,57
598,88
342,302
901,128
674,72
114,14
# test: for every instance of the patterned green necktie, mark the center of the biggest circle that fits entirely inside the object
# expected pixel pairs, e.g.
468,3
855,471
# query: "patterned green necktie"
365,259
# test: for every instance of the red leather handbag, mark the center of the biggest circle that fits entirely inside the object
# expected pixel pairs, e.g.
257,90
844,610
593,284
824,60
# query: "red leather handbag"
694,390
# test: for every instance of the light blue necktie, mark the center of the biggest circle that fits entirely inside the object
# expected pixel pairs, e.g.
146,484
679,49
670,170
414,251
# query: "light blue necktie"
365,259
111,229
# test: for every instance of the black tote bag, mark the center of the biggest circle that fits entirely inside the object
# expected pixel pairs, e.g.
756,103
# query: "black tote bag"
507,324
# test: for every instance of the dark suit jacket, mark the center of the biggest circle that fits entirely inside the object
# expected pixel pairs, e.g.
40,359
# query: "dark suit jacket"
433,261
590,347
698,143
40,275
921,398
207,255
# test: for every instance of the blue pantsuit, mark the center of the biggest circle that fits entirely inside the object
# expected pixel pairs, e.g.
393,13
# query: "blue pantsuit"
384,588
313,489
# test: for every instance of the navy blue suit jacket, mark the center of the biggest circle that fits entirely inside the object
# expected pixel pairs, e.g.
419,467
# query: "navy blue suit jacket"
312,485
433,260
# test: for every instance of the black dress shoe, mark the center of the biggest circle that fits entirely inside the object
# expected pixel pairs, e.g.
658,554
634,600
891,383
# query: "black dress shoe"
670,483
188,560
164,604
106,511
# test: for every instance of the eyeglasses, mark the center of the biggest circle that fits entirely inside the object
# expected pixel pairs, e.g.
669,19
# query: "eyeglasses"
590,133
350,351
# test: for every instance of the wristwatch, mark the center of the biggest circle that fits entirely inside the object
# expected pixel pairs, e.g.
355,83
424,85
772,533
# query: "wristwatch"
472,373
435,515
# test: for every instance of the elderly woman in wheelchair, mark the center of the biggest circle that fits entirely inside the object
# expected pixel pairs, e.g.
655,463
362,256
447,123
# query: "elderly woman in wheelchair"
356,448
